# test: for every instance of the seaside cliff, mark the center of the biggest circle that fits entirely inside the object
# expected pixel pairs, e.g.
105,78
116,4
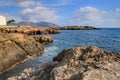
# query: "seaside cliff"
78,63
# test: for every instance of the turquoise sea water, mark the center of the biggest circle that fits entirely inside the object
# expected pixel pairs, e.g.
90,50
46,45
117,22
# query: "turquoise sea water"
107,39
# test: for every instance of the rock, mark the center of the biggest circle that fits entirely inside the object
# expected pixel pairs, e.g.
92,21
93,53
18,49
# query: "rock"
10,54
41,71
78,28
16,48
80,63
27,43
30,30
44,39
97,74
12,78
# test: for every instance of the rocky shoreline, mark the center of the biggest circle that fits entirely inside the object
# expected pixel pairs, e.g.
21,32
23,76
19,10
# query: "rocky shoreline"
78,63
78,28
29,30
16,45
16,48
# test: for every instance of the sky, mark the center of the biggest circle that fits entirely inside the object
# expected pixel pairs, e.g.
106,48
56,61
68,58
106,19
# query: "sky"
97,13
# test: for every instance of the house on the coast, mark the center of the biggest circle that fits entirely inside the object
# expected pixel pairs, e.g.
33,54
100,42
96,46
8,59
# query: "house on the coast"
2,20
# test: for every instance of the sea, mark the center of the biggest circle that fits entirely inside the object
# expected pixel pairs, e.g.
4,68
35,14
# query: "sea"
106,38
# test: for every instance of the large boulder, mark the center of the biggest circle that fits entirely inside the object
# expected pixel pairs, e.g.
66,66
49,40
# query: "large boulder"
80,63
16,48
86,63
27,43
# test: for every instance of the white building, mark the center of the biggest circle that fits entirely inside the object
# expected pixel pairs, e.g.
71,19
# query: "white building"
2,20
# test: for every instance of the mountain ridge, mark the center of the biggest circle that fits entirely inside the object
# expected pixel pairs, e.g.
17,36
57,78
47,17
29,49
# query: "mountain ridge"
36,24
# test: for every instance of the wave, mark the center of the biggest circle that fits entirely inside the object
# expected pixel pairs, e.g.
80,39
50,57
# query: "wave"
50,52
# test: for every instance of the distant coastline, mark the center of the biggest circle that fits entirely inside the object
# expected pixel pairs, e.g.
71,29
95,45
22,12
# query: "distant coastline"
78,28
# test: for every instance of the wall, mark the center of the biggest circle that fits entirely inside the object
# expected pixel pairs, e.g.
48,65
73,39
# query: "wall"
2,20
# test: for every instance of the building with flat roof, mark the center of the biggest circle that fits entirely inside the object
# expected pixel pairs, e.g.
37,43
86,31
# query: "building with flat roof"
2,20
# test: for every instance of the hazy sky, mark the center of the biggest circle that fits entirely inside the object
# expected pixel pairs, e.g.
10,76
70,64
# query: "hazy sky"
97,13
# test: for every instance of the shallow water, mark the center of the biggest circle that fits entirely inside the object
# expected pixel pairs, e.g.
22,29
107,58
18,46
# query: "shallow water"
107,39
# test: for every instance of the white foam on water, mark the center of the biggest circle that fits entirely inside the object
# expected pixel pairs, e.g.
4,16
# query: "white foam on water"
50,49
50,52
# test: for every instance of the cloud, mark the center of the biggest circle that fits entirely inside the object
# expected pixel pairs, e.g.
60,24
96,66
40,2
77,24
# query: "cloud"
97,17
39,13
26,3
56,3
23,3
34,11
89,15
17,1
118,11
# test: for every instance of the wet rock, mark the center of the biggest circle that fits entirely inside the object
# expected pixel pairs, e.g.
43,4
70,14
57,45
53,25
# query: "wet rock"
17,48
42,72
80,63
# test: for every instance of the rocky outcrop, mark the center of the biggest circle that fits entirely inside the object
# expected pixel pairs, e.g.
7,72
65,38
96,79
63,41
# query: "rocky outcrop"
16,48
87,63
79,63
30,30
78,28
43,39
